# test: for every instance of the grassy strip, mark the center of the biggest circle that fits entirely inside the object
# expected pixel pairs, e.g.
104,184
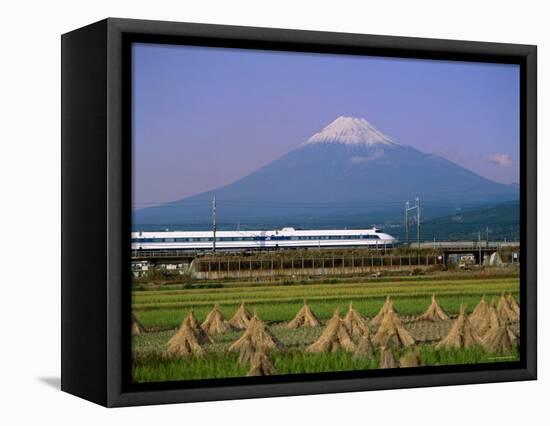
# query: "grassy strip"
154,367
277,311
179,283
269,292
363,281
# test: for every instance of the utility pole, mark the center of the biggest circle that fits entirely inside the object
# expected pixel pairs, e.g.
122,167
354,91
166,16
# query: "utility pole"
487,232
214,224
479,245
417,202
407,222
407,208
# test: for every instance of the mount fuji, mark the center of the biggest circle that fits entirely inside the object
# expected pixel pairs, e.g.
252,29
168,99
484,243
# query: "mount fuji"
349,174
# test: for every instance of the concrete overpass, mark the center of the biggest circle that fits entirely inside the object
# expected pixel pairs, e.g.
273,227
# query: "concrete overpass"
479,249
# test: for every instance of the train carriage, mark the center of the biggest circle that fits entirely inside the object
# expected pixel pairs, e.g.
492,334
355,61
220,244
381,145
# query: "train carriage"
284,238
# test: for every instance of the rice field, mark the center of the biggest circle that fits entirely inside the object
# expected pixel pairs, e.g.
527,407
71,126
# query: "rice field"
162,311
156,368
165,309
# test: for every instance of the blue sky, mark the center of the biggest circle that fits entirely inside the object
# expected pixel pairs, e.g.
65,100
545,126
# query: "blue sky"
204,117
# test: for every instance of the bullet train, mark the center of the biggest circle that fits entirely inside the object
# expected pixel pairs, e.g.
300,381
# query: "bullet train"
285,238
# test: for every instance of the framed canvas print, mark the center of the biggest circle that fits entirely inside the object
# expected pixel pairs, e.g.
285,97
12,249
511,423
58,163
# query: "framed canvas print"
253,212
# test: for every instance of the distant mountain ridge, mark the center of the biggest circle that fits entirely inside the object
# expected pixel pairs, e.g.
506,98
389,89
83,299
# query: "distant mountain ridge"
348,174
501,220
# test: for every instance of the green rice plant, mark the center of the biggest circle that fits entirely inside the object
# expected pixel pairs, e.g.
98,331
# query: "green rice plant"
158,368
279,309
155,366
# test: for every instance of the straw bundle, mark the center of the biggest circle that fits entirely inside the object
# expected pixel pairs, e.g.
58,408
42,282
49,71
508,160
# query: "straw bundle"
461,335
137,327
241,318
500,339
480,311
355,324
257,337
305,318
513,304
387,360
192,322
490,321
261,365
505,311
434,312
215,323
334,337
388,306
185,343
365,348
391,328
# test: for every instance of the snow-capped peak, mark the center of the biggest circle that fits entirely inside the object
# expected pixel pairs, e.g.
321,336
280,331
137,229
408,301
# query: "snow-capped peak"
350,131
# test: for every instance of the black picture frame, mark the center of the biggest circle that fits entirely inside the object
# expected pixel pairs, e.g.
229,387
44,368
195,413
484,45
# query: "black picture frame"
96,182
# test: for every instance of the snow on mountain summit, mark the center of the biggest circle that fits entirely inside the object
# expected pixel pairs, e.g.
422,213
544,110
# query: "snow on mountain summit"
350,131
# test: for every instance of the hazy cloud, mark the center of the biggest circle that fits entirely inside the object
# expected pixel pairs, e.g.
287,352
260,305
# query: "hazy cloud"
502,160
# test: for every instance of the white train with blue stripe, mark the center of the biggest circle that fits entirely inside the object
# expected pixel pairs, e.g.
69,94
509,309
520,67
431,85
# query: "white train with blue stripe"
284,238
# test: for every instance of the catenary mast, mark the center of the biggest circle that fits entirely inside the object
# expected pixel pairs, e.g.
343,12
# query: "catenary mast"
214,224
